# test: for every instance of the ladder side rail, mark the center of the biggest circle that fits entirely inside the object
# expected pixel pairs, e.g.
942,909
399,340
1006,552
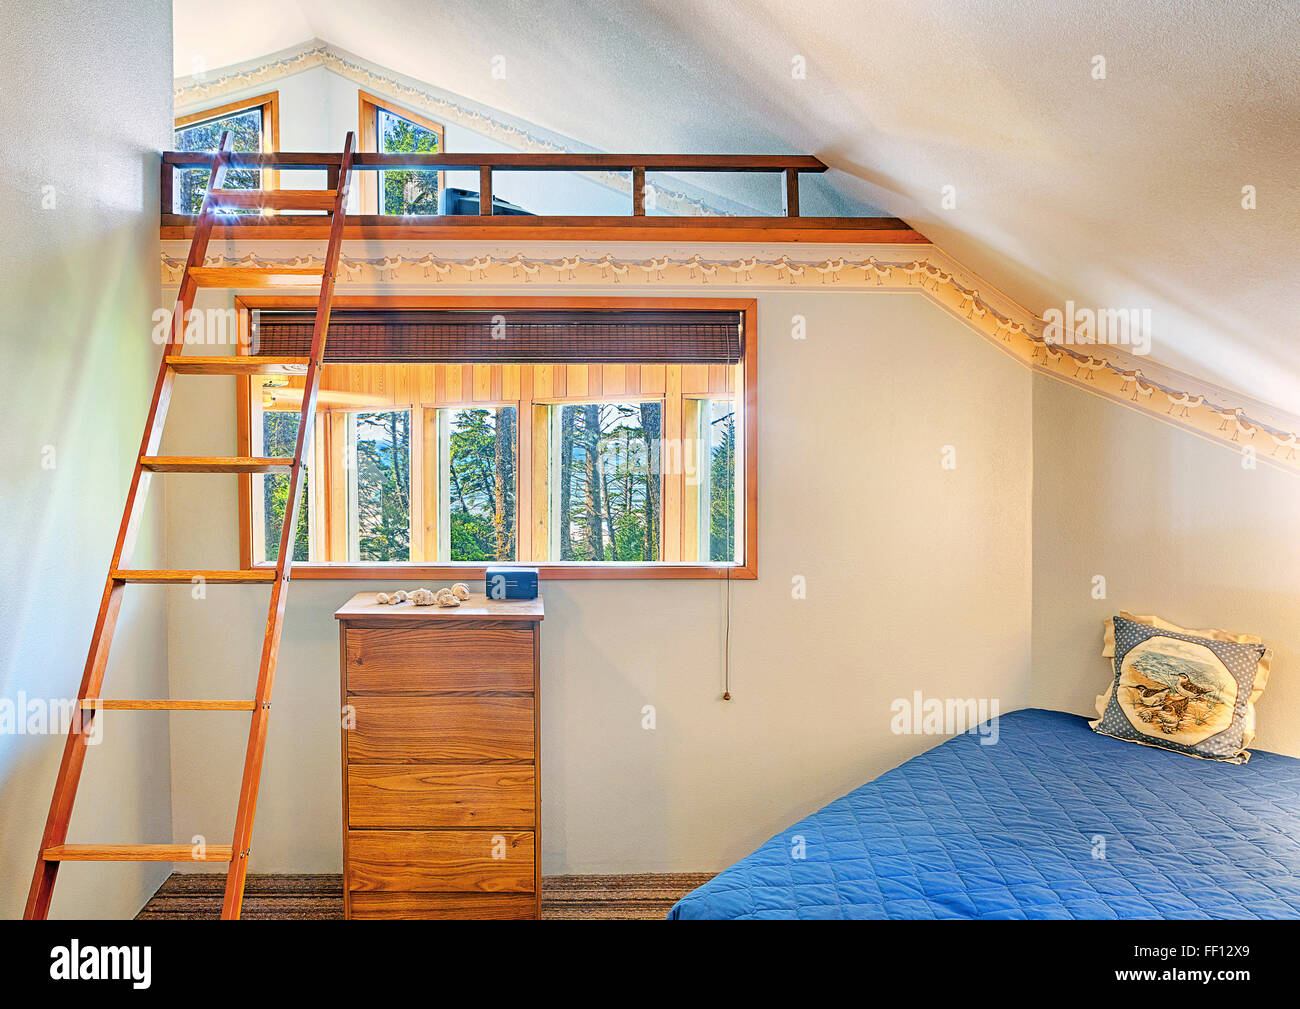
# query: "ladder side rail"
74,749
234,895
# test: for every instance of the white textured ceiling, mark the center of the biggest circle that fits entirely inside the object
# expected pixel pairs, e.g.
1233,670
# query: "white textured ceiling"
1122,192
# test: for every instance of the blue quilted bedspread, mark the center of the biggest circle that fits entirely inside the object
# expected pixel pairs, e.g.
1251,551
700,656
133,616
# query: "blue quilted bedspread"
1052,821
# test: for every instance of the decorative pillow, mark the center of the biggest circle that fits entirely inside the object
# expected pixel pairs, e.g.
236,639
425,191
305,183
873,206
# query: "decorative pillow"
1184,690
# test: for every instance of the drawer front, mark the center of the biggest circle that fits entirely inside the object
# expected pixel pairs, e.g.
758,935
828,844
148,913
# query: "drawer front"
431,659
416,729
440,795
430,906
440,861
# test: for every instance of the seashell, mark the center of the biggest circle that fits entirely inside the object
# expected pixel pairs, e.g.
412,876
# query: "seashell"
422,597
446,597
391,598
460,590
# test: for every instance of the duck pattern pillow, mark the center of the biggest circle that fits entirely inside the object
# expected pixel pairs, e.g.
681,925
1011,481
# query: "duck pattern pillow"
1189,691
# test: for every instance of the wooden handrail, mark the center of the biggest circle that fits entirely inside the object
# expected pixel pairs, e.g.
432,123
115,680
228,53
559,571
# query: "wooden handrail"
790,166
515,162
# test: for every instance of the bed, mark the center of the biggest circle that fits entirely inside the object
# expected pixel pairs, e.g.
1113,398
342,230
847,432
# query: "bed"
1053,821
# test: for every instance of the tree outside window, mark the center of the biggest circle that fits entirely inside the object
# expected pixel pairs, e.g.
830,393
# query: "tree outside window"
606,505
480,483
379,505
407,190
280,441
192,183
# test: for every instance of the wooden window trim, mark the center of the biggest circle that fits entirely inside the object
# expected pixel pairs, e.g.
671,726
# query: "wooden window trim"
368,107
415,571
269,103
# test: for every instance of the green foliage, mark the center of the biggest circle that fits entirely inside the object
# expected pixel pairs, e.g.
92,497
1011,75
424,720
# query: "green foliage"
609,491
280,440
722,492
383,460
192,183
472,538
482,484
407,190
629,536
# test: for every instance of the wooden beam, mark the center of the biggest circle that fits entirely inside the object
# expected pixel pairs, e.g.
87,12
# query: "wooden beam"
791,193
485,191
470,228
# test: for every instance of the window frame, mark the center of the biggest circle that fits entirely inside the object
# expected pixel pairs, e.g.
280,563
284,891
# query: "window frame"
368,108
269,103
425,522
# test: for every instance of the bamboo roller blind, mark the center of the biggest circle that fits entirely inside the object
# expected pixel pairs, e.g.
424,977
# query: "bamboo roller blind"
538,337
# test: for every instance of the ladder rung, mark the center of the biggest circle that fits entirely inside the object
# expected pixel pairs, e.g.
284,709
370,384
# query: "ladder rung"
249,577
275,199
257,276
135,853
214,464
243,364
164,704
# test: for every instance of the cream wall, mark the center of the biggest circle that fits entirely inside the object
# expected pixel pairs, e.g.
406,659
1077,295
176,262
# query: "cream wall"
79,281
1177,527
918,579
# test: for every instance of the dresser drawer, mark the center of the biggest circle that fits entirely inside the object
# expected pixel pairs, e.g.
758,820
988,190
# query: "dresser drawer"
432,906
431,659
422,729
440,795
440,861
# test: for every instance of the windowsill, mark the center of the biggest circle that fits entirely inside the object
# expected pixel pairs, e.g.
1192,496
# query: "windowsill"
576,571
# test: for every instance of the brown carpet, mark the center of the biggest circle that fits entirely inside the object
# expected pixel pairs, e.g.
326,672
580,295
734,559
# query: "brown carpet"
642,896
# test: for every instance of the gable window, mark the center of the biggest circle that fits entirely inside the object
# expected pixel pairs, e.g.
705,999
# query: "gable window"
387,129
587,441
254,124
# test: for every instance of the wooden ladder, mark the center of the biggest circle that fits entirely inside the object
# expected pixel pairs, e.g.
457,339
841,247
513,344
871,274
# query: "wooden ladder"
54,847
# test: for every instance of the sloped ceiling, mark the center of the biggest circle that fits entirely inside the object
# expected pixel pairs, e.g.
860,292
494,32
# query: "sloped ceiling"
1117,192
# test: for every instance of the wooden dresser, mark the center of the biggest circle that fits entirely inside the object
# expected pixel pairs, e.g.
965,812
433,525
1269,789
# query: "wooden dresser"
441,776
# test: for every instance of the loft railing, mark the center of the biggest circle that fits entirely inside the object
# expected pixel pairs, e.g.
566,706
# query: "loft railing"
790,226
